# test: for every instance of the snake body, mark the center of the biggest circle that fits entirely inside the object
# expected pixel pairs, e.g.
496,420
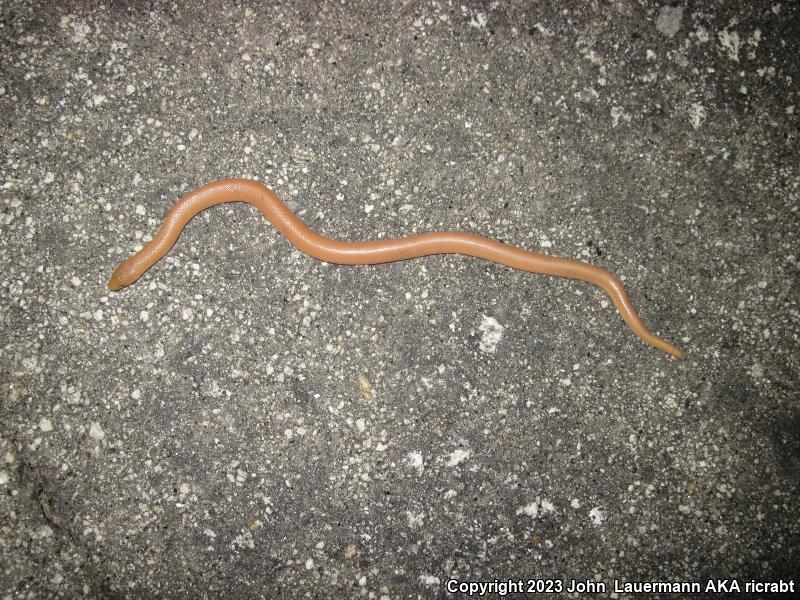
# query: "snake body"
371,252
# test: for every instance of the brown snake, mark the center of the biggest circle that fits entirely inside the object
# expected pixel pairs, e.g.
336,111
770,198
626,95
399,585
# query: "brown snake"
372,252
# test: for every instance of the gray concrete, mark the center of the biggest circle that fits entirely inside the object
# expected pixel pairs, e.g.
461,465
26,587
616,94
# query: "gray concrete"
247,422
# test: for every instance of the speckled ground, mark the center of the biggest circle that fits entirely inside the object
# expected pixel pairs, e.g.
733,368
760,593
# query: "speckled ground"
247,422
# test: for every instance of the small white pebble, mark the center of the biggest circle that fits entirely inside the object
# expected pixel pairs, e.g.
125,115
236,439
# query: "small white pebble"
415,461
368,208
457,456
96,432
45,425
531,510
491,334
668,21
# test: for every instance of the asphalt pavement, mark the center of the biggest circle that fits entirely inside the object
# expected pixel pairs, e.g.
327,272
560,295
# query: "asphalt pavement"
248,422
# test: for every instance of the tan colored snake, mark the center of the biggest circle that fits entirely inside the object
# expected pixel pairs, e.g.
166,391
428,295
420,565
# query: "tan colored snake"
372,252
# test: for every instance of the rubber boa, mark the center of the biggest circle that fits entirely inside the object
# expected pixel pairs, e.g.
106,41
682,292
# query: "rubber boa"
372,252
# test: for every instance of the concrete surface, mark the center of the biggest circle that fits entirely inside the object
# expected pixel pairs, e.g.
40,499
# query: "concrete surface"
247,422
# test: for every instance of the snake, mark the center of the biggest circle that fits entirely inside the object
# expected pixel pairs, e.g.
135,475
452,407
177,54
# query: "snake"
372,252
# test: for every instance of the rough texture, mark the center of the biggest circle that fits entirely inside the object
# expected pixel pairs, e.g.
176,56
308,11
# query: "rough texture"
247,422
